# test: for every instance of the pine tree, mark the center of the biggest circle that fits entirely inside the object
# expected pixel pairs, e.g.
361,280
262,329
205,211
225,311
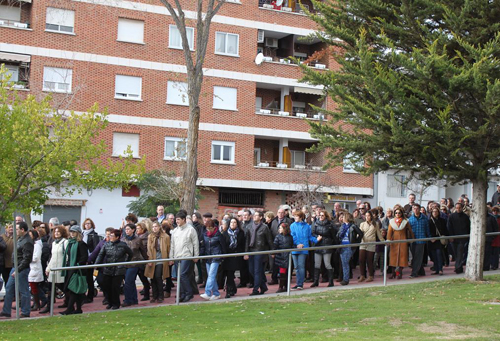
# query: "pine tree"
418,89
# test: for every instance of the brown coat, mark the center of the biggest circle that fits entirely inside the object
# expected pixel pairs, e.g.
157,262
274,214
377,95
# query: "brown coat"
399,251
8,251
164,241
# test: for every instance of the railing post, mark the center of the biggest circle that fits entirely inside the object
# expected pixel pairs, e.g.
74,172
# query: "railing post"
289,279
177,297
385,265
52,301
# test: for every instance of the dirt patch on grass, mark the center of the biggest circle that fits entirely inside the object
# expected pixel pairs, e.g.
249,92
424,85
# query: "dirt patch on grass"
369,321
395,322
451,331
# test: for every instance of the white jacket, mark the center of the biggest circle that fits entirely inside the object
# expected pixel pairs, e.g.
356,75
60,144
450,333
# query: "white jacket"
56,261
36,271
184,242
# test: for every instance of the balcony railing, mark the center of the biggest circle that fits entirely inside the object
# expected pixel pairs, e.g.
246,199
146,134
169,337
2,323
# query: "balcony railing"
309,114
15,24
278,165
272,5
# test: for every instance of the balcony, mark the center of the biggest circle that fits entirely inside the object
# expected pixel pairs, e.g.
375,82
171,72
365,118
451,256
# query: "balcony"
18,67
284,154
287,6
293,102
15,14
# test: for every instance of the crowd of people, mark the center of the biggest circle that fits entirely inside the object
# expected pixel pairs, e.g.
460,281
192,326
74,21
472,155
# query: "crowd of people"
167,236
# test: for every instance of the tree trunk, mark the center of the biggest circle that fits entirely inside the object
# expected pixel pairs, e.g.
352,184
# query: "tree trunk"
190,175
474,267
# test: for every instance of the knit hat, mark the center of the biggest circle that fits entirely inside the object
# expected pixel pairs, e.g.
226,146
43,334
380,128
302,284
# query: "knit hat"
75,228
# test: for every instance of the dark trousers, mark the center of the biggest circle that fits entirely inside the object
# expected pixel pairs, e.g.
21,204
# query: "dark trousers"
145,282
487,256
50,300
5,275
230,284
157,282
417,251
90,282
495,254
187,272
245,275
256,267
112,286
366,258
74,299
459,247
100,282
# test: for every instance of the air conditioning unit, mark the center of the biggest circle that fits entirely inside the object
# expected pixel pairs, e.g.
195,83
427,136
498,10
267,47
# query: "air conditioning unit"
260,36
301,115
272,42
320,66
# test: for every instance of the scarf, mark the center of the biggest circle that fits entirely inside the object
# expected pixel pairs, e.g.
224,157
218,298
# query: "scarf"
86,235
72,250
253,233
345,229
130,237
156,238
233,238
398,223
58,240
211,234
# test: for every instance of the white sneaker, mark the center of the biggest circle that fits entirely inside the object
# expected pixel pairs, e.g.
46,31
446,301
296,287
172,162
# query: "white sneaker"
205,296
213,298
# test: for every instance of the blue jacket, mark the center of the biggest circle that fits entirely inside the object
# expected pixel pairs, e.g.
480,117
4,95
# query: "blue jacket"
420,227
213,246
301,233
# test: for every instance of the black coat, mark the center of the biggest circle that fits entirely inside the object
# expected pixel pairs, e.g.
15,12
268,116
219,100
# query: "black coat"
491,226
328,233
275,225
24,253
82,255
435,226
213,246
263,239
93,240
355,234
458,224
234,263
282,242
3,246
115,252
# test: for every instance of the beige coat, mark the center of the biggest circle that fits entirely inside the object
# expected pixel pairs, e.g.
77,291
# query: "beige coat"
164,241
370,234
399,251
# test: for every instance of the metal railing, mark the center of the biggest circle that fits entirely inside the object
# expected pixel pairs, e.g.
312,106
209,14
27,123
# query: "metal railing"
242,254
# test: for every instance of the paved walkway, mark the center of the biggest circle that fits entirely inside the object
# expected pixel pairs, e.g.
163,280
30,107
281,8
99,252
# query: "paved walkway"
243,293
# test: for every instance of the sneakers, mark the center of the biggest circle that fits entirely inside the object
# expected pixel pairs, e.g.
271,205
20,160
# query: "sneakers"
213,298
297,288
205,296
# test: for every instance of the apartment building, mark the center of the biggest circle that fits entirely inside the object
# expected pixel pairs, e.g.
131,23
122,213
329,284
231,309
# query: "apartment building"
127,56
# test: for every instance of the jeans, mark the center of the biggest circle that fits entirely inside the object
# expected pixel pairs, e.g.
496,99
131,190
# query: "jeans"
24,292
345,257
186,267
437,255
256,269
129,288
211,287
325,257
299,262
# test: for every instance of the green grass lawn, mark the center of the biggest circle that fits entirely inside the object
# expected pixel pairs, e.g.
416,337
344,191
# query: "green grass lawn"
453,309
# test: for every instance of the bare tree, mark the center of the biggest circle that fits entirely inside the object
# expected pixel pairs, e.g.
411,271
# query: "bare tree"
312,186
194,66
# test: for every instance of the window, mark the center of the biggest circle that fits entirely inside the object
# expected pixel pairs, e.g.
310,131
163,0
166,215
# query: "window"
10,13
128,87
57,79
351,163
226,43
133,191
177,93
131,31
175,148
396,186
225,98
174,37
60,20
241,197
122,141
256,156
258,104
13,71
222,152
298,158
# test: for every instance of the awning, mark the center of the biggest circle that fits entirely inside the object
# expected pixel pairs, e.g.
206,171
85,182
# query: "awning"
310,91
27,1
14,57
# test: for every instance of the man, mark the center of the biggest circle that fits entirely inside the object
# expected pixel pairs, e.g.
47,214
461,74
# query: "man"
171,219
459,224
24,254
240,215
495,245
246,276
160,210
19,219
409,206
496,196
275,226
8,238
359,203
336,211
491,226
184,243
420,226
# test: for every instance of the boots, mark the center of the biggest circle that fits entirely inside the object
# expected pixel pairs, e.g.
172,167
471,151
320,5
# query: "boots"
36,302
316,278
330,278
370,279
47,307
361,279
282,285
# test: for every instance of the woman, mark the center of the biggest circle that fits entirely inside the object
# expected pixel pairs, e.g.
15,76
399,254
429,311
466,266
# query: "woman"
143,233
59,245
323,228
367,252
35,277
213,245
283,241
388,216
91,238
76,254
139,253
158,248
114,251
268,218
349,233
399,229
437,227
302,235
234,239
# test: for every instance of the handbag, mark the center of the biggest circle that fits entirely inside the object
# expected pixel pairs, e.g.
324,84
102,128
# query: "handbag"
444,242
78,283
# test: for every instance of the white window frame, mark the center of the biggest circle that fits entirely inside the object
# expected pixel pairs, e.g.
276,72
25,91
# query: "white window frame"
134,145
66,17
218,99
223,144
172,29
348,167
176,141
226,35
396,181
128,94
177,93
65,79
137,27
